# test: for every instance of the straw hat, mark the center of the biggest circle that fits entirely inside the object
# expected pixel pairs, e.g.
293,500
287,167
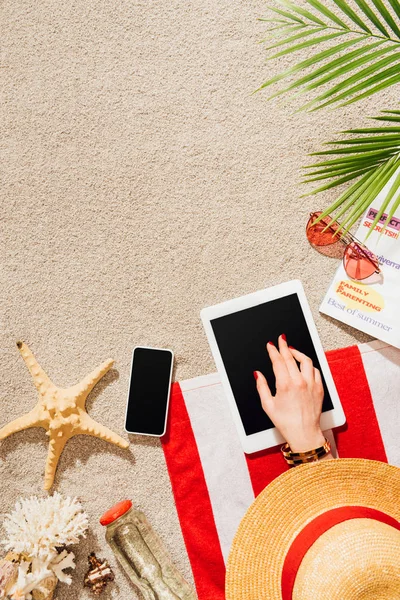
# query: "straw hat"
321,531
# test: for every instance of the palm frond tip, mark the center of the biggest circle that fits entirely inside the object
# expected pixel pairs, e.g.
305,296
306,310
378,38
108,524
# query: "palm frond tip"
370,159
332,67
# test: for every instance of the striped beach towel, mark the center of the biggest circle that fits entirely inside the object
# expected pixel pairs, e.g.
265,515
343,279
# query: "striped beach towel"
214,482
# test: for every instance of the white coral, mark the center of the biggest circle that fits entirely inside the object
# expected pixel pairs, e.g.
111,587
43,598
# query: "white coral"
36,528
62,561
27,581
39,525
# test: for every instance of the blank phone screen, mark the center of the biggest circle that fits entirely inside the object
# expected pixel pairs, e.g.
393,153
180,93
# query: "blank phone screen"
242,337
149,391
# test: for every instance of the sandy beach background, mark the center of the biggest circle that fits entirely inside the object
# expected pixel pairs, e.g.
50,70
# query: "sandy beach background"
141,181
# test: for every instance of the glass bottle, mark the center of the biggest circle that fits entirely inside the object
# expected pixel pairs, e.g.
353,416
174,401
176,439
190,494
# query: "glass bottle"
143,555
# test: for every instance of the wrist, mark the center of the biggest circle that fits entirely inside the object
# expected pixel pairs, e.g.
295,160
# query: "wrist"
306,442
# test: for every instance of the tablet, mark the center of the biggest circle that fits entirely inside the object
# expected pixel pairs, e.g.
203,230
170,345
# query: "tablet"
238,331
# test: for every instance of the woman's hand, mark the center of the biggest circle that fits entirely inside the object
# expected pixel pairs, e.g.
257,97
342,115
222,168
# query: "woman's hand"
295,410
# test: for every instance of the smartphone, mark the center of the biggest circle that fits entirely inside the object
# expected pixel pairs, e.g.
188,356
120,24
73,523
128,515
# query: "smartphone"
149,390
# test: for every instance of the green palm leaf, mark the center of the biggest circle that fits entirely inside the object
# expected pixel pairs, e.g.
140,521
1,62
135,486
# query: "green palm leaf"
375,35
371,159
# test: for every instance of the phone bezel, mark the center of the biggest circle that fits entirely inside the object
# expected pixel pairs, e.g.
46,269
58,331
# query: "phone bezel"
168,396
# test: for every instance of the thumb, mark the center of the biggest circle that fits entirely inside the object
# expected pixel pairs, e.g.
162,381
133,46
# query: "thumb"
263,390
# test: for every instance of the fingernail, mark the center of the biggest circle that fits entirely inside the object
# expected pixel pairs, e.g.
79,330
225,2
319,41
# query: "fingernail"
283,336
291,347
255,375
272,344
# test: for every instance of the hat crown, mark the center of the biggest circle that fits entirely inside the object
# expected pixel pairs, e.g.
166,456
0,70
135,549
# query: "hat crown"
312,500
357,559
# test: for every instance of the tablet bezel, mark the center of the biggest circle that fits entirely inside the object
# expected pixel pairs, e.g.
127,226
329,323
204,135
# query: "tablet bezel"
271,437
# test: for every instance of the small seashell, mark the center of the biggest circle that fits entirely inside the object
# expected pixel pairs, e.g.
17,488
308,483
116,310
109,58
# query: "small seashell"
8,575
47,587
98,575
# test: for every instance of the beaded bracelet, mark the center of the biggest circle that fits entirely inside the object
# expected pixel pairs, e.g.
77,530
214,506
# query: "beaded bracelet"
299,458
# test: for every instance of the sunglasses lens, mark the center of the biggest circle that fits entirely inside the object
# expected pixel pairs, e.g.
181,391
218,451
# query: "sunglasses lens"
322,233
324,241
359,263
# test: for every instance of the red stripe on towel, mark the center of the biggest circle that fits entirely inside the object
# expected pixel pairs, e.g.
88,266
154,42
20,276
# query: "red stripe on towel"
264,467
193,501
360,437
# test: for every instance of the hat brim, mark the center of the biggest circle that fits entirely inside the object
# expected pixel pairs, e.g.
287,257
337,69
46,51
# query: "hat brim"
291,501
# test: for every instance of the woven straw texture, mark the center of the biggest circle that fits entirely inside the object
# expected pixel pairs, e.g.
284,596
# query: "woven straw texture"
294,499
355,560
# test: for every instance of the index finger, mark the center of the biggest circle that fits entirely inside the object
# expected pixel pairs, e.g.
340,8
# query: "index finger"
278,365
286,354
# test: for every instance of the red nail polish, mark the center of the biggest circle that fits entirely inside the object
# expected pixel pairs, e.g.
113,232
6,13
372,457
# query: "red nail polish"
283,336
255,375
291,347
272,344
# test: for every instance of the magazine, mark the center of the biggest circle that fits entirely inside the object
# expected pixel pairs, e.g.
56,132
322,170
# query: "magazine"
371,305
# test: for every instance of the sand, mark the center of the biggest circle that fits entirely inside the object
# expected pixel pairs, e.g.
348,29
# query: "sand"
141,181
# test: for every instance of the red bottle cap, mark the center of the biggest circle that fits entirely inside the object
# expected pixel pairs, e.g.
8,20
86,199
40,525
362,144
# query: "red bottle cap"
115,512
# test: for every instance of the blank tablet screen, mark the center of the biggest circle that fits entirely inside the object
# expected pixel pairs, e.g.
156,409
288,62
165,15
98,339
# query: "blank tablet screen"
242,337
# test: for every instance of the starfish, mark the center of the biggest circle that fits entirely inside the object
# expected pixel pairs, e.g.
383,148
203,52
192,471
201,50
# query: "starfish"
61,412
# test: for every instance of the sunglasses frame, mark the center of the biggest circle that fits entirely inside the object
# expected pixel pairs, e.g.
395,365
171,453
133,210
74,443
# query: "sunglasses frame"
347,239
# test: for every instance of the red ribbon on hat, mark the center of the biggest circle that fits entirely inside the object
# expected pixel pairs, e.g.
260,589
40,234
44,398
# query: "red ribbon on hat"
313,530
